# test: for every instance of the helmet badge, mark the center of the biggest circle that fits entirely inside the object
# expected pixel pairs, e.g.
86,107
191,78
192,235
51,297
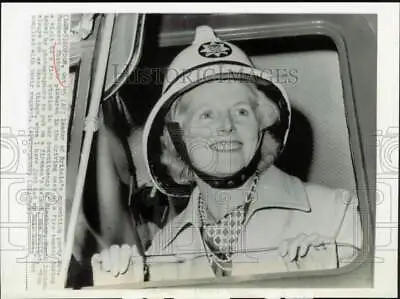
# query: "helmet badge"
215,49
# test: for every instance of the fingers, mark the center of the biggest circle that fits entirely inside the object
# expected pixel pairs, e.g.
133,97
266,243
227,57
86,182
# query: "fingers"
299,246
283,248
134,251
96,260
306,243
105,260
294,246
116,259
124,258
320,242
290,247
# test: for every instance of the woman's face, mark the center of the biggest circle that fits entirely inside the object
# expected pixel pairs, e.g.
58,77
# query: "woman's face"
220,127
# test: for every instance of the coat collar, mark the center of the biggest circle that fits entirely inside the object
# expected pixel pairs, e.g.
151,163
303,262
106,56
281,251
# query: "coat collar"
275,189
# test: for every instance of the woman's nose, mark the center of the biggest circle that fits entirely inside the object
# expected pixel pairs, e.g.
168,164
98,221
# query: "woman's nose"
225,123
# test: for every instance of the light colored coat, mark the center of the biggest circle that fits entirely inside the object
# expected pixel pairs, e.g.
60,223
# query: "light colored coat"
283,208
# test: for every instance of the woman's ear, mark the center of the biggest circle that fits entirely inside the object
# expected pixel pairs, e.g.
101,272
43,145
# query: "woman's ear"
267,111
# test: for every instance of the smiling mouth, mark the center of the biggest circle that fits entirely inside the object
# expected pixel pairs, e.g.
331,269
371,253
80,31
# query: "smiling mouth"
224,146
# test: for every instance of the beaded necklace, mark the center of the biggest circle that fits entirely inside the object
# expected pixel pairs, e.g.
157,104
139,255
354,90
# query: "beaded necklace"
221,236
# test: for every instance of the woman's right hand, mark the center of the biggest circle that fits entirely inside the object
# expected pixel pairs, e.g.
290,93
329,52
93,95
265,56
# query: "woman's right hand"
118,261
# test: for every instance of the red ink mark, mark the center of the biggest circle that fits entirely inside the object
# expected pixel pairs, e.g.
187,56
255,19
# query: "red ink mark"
57,75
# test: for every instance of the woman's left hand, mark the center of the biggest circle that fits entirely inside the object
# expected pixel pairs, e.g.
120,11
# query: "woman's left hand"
309,252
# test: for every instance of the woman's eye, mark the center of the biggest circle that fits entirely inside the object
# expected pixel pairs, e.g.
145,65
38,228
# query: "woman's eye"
206,115
242,112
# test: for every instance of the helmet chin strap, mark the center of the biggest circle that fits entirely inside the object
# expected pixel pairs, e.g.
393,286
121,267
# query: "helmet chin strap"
233,181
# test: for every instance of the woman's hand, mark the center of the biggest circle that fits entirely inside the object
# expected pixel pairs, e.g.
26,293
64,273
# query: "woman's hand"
309,252
122,262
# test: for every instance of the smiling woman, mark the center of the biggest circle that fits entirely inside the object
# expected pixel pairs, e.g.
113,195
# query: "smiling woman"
227,118
220,132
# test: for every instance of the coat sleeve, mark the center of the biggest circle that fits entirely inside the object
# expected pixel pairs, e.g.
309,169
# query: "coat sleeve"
349,234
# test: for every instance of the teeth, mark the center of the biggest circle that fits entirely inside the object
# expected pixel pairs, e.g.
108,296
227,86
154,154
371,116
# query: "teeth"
226,146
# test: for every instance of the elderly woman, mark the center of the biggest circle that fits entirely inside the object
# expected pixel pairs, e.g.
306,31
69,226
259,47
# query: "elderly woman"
216,133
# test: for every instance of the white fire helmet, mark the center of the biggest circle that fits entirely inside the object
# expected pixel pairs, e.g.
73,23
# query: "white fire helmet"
207,59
